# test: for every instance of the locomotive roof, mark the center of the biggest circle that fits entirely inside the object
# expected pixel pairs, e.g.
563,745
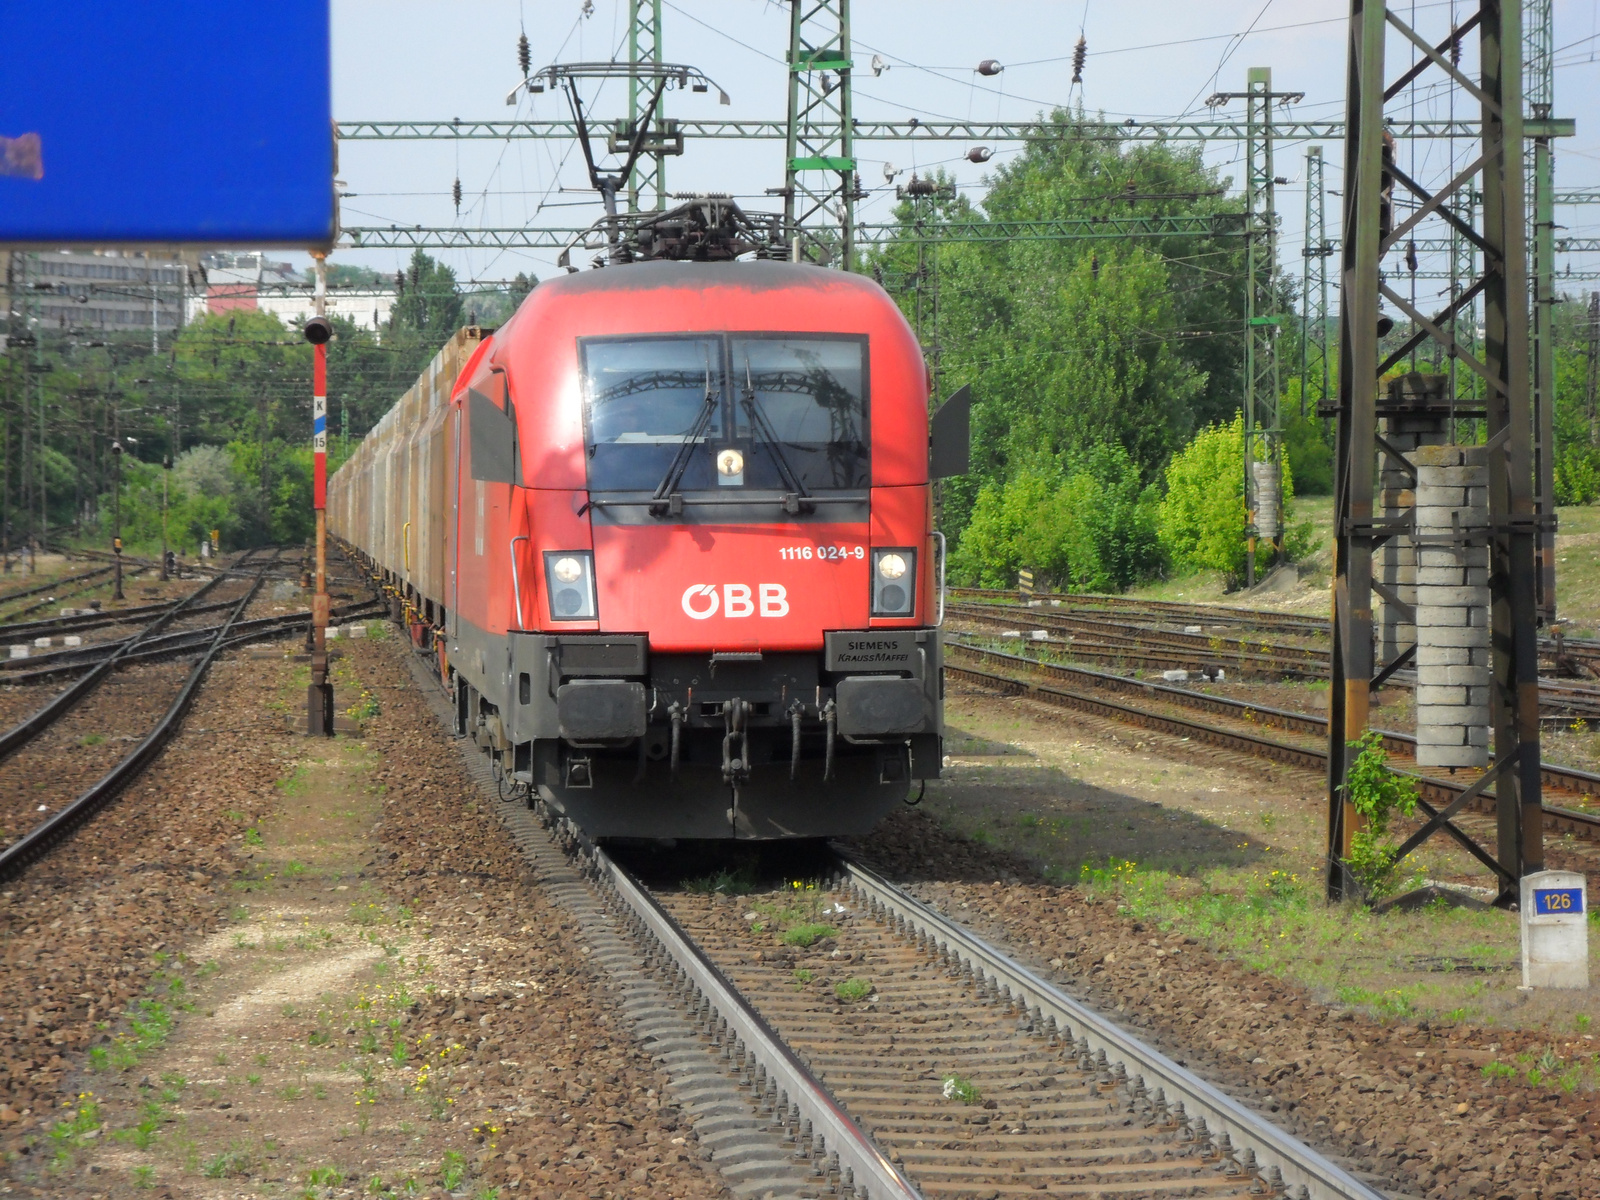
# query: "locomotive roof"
757,276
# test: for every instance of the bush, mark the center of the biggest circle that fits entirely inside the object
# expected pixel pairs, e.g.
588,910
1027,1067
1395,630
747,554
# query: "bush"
1378,795
1091,529
1202,520
1310,455
1577,475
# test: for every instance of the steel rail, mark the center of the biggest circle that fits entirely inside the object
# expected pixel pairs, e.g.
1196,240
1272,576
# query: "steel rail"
94,619
1108,623
189,639
61,594
95,572
861,1163
36,723
1160,649
1274,1149
1216,614
1311,758
1565,779
1585,649
39,841
1198,644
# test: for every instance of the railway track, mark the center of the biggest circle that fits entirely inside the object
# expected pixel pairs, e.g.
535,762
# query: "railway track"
1109,642
49,831
871,1093
59,589
798,1095
1017,675
66,662
1582,654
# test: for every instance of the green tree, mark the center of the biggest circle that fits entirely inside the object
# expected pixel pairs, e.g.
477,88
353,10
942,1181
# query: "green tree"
1071,344
430,307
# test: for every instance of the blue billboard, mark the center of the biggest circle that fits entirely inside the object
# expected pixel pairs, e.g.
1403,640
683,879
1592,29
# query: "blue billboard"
194,121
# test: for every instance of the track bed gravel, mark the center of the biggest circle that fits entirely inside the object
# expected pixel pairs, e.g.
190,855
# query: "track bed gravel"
371,867
892,1051
1407,1104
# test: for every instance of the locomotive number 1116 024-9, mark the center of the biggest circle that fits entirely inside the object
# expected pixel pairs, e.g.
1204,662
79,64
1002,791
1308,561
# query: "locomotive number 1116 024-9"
824,553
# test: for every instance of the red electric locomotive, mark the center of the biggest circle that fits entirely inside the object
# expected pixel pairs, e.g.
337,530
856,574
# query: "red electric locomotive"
691,584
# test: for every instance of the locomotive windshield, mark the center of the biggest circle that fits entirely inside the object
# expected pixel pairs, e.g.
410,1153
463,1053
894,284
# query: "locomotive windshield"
783,413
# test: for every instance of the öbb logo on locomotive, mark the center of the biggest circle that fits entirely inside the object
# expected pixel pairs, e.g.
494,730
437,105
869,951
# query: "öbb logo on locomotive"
701,600
667,536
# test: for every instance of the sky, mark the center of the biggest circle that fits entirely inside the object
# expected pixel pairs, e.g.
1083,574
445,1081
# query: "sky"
1150,60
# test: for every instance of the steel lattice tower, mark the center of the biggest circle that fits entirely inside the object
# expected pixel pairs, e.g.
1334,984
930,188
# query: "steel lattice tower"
1504,371
647,185
1314,367
1538,49
819,217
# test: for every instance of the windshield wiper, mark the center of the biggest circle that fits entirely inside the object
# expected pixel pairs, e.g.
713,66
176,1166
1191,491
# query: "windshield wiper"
792,502
666,499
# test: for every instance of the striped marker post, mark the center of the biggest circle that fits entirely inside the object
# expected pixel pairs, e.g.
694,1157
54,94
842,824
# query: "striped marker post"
319,695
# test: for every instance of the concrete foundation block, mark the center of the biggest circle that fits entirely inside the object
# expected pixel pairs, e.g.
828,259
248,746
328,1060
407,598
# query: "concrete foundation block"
1461,596
1467,676
1441,735
1452,756
1452,635
1443,656
1436,456
1435,715
1440,694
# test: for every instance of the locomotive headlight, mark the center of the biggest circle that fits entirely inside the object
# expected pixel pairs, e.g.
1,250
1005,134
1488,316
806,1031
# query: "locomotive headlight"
894,582
730,468
569,579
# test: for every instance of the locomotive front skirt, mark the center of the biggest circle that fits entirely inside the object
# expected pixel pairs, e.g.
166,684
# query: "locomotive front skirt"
669,532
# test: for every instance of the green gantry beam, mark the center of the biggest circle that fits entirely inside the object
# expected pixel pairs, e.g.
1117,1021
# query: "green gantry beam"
1227,128
426,237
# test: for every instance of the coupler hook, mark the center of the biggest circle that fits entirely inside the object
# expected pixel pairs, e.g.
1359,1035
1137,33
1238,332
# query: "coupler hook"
735,767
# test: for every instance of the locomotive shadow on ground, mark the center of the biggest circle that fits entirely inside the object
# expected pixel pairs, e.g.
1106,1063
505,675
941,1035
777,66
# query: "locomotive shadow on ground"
1000,813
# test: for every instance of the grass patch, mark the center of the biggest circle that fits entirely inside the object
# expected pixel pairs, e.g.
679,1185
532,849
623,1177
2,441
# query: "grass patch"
735,881
853,990
453,1170
1434,961
806,935
296,782
228,1165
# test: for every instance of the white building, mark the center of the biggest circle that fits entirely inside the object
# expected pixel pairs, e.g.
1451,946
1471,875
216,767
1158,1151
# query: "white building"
130,291
249,280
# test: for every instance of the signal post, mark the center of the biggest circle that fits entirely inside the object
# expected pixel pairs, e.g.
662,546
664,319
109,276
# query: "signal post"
319,694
